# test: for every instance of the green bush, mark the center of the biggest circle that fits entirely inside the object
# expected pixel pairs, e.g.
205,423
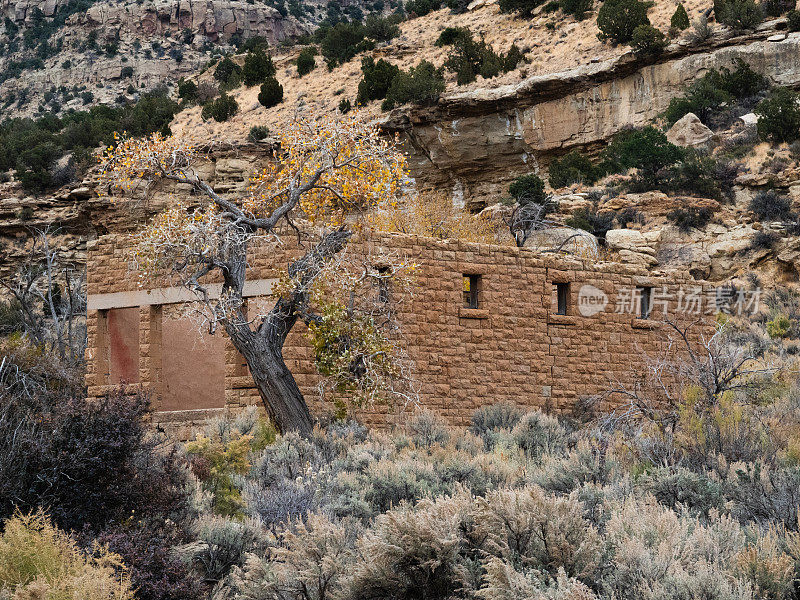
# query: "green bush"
258,67
422,7
739,14
779,327
228,73
470,58
32,147
775,8
381,29
524,7
572,168
305,60
694,174
686,219
618,19
345,106
342,42
680,19
715,88
527,189
793,19
187,91
646,149
376,80
588,219
576,8
648,41
450,35
422,84
271,93
221,109
779,116
258,133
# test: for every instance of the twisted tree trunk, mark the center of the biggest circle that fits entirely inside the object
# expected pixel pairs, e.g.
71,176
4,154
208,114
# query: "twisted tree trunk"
262,348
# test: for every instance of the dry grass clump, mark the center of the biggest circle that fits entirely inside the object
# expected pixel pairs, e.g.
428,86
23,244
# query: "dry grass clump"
39,561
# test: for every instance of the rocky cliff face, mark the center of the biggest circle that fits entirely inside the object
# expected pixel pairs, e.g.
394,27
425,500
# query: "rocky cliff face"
474,143
118,50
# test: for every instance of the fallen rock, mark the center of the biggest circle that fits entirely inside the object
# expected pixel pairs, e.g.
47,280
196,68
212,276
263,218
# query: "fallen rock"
749,119
689,131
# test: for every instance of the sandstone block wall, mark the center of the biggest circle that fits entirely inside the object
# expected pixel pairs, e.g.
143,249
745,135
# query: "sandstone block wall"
512,348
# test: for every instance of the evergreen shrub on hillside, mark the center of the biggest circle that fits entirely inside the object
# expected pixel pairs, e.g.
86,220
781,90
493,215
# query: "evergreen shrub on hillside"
576,8
739,14
228,73
648,41
221,109
572,168
422,84
470,58
342,42
188,92
618,19
271,93
680,19
717,87
258,67
793,20
779,116
376,80
646,149
306,61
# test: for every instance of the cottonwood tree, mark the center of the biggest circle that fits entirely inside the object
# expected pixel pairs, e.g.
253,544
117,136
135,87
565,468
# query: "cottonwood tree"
322,173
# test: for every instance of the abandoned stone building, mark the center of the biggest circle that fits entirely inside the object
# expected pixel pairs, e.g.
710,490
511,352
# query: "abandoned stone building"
486,324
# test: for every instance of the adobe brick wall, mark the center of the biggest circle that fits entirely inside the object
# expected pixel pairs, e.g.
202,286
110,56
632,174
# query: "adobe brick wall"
512,349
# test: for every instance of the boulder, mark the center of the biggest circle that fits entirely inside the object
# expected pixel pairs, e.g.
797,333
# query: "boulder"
736,240
564,239
633,247
629,239
689,132
749,119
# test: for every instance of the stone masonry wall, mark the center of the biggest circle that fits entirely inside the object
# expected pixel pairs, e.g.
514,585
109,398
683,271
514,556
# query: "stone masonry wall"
513,348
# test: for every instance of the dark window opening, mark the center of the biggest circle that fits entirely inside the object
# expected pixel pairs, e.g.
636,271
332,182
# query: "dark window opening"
471,283
383,284
562,298
645,302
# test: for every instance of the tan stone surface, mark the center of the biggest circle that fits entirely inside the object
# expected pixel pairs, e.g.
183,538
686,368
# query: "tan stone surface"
517,352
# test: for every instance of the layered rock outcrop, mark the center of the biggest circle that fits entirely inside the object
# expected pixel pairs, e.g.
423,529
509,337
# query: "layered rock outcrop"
476,142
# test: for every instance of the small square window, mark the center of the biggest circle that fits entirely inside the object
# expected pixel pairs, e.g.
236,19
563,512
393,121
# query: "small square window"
471,288
645,302
562,298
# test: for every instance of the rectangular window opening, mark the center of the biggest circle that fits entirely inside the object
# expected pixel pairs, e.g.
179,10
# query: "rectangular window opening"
471,288
383,284
645,302
562,298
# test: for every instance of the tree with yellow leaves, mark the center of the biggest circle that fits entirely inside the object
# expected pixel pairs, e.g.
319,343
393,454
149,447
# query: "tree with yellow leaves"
322,173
